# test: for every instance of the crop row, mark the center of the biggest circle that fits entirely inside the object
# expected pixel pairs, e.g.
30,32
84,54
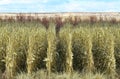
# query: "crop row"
88,49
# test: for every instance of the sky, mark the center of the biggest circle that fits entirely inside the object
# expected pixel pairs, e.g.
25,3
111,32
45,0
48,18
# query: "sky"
59,6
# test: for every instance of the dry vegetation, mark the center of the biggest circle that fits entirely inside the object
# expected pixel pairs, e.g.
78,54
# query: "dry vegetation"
60,46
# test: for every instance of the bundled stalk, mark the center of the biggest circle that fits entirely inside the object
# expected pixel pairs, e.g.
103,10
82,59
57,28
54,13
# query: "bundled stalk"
82,50
37,49
4,33
117,48
16,52
51,50
69,55
65,49
103,51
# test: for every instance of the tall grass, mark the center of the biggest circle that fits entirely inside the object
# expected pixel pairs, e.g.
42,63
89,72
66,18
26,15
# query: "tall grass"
42,75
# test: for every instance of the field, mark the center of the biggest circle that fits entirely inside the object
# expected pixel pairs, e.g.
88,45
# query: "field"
59,48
